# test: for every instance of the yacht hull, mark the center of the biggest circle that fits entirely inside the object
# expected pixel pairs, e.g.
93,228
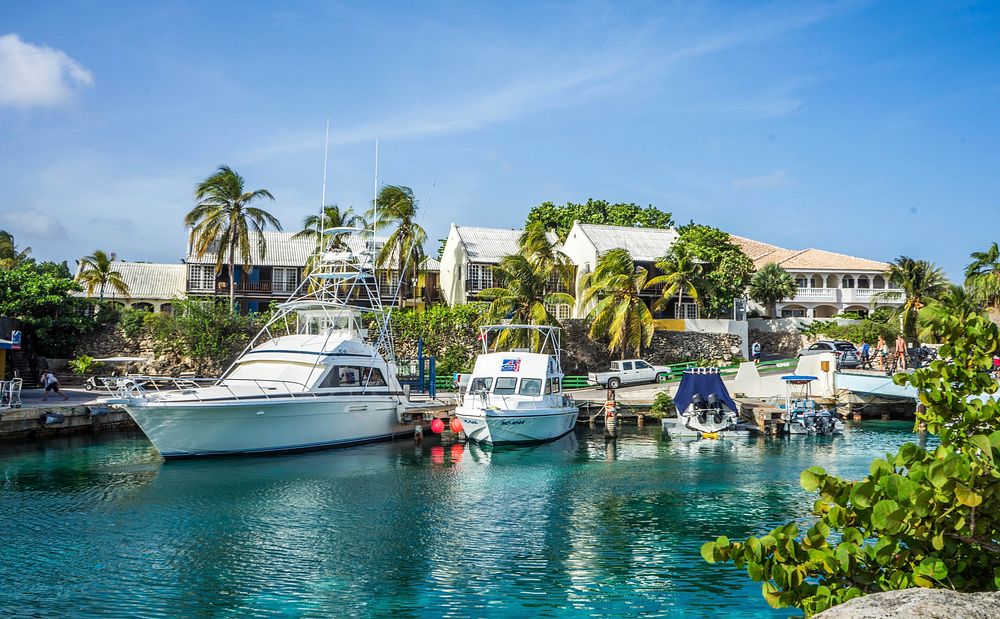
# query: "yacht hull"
191,429
499,427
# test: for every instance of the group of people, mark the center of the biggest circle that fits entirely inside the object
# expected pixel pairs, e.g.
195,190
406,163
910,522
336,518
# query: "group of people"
881,354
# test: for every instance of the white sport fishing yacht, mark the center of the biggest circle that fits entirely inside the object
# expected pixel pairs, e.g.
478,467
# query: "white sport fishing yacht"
516,396
312,377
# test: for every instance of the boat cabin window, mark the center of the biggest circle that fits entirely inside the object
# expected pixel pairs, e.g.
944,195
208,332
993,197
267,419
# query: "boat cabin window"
548,387
531,386
480,384
554,385
353,376
505,386
626,365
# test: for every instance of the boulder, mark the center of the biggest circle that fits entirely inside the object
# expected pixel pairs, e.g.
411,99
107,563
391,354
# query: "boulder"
918,603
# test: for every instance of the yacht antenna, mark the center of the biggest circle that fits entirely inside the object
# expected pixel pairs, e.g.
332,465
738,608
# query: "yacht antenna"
375,201
322,202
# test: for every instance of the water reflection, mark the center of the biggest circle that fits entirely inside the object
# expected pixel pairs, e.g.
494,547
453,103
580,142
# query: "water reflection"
578,527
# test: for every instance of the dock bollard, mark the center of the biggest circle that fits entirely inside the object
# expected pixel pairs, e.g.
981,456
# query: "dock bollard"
610,414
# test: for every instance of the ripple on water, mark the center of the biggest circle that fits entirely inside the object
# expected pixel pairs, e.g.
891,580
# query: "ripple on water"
580,527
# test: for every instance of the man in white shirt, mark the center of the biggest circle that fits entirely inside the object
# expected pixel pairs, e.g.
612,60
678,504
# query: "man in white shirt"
51,383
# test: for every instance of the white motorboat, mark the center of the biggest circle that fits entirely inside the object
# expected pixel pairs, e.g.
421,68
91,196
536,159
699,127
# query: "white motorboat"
801,413
704,408
312,378
516,396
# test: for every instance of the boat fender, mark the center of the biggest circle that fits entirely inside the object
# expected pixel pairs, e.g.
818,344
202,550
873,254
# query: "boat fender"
711,435
47,419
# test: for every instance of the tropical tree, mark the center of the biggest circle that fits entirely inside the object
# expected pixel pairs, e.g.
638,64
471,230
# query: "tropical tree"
561,218
982,276
521,297
333,217
683,274
771,285
620,316
397,207
725,267
97,271
542,250
955,300
10,254
223,220
920,282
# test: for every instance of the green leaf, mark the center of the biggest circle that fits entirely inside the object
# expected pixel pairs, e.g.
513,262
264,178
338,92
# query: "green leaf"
982,443
811,477
933,567
771,594
967,496
887,515
938,541
708,552
861,494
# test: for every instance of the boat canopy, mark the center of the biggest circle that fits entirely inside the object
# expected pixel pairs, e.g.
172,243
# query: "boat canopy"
798,379
703,384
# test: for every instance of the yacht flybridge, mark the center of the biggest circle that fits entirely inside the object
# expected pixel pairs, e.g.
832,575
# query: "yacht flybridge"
516,396
313,377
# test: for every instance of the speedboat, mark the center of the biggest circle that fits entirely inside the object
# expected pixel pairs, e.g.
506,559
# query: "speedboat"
516,396
704,408
801,413
312,378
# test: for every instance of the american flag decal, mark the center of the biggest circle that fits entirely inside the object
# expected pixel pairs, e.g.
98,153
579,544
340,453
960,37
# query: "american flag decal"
510,365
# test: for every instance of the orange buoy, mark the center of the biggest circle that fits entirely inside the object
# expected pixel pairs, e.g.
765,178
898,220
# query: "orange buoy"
455,425
437,426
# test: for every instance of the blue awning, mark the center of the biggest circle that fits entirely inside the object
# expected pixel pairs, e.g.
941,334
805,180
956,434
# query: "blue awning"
703,384
798,378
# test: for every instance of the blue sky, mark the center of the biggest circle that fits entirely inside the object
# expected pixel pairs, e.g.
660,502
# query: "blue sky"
862,127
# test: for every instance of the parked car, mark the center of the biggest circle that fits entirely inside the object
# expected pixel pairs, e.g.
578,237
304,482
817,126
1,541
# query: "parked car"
629,372
847,355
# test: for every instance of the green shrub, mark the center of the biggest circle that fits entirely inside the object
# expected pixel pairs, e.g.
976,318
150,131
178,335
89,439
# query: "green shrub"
868,329
82,364
454,359
920,518
132,322
663,406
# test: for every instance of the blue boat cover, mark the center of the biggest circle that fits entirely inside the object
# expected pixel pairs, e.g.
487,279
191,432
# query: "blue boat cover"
704,384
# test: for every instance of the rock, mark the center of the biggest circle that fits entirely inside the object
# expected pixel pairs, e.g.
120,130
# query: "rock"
918,603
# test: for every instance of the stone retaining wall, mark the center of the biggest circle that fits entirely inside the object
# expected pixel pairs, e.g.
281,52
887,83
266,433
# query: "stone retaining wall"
786,344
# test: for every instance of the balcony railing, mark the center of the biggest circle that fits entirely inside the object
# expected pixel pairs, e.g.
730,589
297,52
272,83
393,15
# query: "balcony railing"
221,287
862,296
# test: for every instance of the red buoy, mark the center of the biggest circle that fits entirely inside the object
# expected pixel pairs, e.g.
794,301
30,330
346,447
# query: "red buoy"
437,426
455,425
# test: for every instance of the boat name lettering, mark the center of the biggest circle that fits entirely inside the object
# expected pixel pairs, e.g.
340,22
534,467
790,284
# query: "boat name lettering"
515,422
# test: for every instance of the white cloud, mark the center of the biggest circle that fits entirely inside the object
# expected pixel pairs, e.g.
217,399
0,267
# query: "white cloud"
35,225
778,178
33,75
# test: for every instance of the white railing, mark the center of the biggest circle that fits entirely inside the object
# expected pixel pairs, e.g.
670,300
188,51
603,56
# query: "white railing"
816,294
846,295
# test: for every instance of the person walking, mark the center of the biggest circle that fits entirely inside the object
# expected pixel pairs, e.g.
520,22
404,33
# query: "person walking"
755,352
865,351
51,383
883,353
901,352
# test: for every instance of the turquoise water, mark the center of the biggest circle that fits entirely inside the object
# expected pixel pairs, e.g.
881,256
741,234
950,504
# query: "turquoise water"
576,528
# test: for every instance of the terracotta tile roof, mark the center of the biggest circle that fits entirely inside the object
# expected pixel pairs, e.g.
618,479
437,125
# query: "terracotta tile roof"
804,259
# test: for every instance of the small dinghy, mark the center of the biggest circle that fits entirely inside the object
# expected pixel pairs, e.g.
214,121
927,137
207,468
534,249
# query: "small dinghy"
704,408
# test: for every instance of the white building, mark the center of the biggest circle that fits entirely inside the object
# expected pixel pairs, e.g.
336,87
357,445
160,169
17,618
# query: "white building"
586,243
152,286
828,283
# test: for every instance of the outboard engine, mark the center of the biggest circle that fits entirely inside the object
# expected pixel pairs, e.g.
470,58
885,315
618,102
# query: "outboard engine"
700,409
716,406
824,423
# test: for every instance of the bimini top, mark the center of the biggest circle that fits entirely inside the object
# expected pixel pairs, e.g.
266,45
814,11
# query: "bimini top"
798,379
703,384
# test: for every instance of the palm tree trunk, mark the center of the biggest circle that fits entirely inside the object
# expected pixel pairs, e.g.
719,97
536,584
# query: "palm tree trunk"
101,296
232,280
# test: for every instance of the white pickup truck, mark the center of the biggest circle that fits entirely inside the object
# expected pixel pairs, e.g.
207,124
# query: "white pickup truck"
629,372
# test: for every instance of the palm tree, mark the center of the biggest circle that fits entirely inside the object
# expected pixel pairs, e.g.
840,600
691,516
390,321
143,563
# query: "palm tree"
955,300
683,274
982,276
10,254
332,217
397,207
96,271
620,315
770,286
520,297
921,283
222,220
541,249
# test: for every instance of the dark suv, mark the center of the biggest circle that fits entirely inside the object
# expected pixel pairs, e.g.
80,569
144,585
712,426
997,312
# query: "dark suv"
847,355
